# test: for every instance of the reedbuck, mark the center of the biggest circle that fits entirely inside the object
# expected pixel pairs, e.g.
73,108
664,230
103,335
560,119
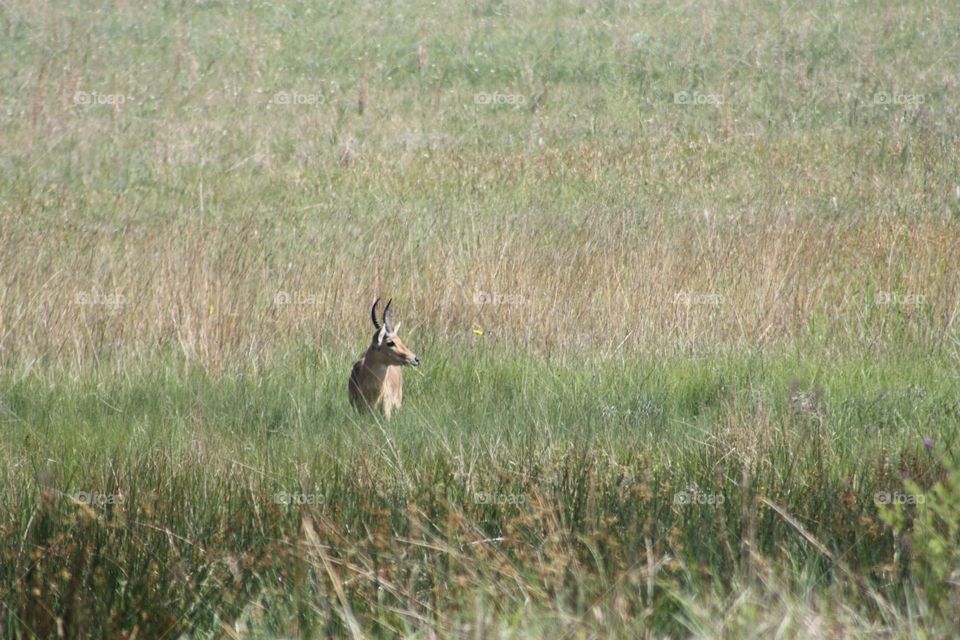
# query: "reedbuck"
376,381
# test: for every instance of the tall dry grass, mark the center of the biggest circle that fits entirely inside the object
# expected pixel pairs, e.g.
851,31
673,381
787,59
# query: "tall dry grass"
168,195
613,281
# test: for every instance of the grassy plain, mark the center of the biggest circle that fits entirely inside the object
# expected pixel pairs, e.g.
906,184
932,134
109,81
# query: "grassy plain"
683,278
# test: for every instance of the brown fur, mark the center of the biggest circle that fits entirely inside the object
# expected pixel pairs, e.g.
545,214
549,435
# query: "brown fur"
376,381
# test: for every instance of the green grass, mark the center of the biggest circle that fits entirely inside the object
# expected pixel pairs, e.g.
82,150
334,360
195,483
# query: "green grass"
586,458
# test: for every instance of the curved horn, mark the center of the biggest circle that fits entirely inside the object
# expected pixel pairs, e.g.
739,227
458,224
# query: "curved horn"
373,314
386,318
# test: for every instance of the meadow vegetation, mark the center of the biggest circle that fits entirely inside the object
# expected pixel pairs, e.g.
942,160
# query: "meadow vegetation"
684,279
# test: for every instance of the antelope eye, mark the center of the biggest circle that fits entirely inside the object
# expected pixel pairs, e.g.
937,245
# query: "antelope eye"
391,343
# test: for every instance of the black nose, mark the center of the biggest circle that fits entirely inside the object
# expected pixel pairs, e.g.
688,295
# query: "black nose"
416,362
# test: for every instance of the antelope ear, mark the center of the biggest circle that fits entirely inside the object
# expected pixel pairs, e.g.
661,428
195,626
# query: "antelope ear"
397,328
381,334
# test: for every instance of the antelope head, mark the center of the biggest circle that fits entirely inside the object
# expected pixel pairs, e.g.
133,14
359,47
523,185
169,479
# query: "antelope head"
386,343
